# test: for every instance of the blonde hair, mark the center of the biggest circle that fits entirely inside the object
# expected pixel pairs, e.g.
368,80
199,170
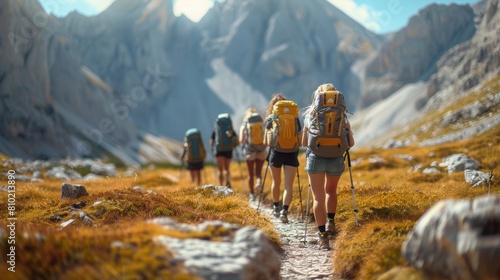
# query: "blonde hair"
321,89
248,112
276,97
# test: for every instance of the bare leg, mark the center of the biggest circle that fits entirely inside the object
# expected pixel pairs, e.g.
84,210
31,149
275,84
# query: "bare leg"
275,185
220,170
258,168
250,178
317,182
331,193
290,172
227,163
198,177
192,173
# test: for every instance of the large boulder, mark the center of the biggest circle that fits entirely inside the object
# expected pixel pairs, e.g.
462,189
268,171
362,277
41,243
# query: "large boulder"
457,239
460,162
244,253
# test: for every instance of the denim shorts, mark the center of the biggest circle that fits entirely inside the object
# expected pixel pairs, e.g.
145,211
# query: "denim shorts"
330,166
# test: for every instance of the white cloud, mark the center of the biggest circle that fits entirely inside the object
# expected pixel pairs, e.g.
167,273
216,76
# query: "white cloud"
100,5
192,9
363,14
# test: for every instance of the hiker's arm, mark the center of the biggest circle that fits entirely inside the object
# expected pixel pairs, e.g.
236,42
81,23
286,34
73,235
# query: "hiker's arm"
300,133
350,136
268,122
184,148
183,154
243,135
212,139
236,138
304,143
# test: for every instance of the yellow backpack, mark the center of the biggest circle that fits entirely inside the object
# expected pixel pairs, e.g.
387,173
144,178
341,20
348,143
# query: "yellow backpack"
286,126
255,133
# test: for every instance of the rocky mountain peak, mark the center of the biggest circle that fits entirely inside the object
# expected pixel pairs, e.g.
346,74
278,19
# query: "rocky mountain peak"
411,53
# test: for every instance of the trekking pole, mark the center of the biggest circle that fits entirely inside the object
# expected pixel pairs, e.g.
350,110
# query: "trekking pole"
307,213
352,187
264,181
300,195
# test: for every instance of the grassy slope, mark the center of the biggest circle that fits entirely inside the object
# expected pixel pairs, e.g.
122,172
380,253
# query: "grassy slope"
390,200
80,251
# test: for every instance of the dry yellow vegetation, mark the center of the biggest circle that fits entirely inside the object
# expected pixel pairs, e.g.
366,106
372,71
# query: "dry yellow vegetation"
389,196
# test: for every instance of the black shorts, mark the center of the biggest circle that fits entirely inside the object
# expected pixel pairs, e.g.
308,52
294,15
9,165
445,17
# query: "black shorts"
224,154
194,166
278,159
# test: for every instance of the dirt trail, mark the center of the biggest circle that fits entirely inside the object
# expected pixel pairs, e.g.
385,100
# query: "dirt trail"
301,260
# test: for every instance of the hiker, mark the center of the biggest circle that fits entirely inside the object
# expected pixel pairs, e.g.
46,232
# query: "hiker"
223,140
193,154
283,152
325,162
251,139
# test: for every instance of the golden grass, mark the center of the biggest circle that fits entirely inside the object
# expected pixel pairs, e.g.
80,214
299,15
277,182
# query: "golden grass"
389,198
82,251
390,201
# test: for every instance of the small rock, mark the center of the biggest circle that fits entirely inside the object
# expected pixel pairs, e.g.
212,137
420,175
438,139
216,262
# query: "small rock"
92,177
79,205
69,191
67,223
56,218
430,170
476,178
97,202
139,189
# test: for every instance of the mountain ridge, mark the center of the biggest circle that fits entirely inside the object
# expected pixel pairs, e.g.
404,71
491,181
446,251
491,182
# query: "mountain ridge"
144,71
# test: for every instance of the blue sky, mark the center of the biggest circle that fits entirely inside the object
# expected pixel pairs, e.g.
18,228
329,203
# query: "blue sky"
380,16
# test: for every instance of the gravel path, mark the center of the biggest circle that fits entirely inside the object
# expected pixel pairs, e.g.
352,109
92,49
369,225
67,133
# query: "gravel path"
301,260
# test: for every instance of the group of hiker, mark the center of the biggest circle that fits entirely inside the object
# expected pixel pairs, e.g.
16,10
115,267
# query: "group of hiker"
276,138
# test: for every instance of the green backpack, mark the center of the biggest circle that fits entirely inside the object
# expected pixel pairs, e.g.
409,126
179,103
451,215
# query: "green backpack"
225,140
195,150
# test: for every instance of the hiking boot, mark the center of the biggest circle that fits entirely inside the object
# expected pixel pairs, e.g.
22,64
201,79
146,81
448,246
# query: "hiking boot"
324,242
251,197
284,216
330,227
276,211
